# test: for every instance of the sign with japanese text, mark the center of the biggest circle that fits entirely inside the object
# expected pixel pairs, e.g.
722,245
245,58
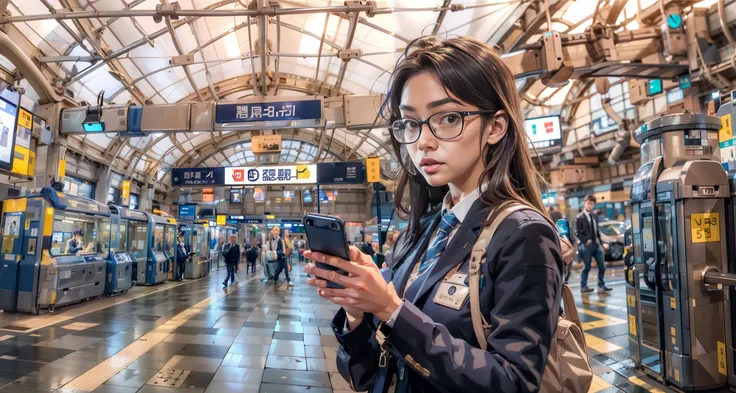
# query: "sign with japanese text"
221,219
265,144
197,176
373,169
340,173
268,111
125,192
284,174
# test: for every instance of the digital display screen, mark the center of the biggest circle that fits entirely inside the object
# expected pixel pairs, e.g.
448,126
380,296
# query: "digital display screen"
307,196
93,127
544,132
8,120
187,212
654,87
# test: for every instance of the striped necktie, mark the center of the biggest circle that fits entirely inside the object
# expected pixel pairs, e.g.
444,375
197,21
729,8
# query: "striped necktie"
438,245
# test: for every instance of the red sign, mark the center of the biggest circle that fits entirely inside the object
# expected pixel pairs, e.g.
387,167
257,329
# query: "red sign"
238,175
549,127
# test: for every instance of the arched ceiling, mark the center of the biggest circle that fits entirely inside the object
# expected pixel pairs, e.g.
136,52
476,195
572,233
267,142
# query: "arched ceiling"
129,58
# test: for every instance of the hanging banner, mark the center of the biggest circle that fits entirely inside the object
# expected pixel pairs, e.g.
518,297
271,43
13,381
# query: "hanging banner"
125,193
283,174
221,219
265,144
373,169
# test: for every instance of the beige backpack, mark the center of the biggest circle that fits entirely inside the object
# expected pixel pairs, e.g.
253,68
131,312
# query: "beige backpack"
568,368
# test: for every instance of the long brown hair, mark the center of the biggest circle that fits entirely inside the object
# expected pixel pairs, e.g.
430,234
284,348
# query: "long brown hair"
474,73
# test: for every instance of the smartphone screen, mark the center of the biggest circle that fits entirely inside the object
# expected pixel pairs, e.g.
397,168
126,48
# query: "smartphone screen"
326,235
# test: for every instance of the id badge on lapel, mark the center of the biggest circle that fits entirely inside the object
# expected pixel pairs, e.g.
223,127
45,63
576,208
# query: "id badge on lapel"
453,291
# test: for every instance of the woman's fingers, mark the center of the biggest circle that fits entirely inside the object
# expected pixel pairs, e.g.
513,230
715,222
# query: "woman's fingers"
315,282
331,275
347,266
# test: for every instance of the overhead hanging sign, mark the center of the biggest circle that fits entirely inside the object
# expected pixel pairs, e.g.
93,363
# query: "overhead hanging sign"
262,175
197,176
340,173
373,169
544,132
257,113
187,212
125,192
265,144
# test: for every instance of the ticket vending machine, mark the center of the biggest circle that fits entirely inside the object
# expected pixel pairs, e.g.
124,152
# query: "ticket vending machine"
53,251
689,210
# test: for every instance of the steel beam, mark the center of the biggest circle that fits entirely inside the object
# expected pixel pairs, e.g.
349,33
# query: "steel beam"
263,41
348,43
180,51
441,17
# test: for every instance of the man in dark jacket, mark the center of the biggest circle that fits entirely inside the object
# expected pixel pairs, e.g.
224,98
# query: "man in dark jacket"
251,255
181,258
231,253
586,230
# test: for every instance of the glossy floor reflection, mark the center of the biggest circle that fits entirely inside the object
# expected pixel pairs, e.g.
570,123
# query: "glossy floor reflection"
253,337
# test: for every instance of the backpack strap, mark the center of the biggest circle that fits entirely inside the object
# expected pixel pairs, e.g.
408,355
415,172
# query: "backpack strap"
482,328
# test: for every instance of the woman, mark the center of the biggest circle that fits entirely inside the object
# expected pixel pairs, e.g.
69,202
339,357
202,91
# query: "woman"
458,128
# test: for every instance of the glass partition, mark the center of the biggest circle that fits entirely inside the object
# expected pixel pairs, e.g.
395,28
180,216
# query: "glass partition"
119,235
95,234
170,243
158,238
138,239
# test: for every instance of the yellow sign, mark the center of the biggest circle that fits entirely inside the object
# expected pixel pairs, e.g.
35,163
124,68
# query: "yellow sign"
265,144
302,172
673,331
126,189
373,169
705,227
721,357
631,300
631,275
632,325
673,303
270,217
677,375
62,168
725,133
221,219
27,225
25,119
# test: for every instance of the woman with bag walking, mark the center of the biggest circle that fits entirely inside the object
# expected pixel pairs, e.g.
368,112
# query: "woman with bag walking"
457,127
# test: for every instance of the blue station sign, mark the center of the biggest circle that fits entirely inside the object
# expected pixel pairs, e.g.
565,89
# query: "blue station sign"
197,176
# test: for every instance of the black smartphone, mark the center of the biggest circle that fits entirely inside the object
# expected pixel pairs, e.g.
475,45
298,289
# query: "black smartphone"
326,235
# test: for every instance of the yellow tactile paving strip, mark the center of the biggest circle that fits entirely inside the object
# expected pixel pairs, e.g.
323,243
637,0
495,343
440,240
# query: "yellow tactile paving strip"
95,377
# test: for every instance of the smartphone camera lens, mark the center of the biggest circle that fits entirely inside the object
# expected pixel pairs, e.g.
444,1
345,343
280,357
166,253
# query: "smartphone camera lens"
333,226
310,223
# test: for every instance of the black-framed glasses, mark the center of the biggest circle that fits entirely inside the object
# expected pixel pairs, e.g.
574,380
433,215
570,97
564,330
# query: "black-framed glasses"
443,125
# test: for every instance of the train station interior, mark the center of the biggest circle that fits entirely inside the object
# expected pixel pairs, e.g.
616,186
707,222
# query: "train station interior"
141,141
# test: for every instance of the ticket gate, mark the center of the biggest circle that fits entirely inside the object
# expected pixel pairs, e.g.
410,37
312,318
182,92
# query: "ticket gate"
197,237
681,230
122,261
53,251
157,265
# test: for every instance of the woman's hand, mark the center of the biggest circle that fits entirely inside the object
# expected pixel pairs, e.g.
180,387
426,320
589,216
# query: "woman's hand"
365,289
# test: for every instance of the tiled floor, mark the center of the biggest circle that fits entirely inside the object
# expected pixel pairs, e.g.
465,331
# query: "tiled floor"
253,337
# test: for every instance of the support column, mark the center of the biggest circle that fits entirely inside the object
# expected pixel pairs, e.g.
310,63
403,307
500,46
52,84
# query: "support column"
144,202
103,184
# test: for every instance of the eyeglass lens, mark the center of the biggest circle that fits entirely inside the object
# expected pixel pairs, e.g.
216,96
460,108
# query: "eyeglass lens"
447,125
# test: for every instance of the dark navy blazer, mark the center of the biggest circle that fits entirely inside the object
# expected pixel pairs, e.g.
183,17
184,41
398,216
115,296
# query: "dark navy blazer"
436,345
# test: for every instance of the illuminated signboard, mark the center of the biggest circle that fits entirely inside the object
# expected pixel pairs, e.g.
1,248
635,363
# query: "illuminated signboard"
8,115
268,111
196,176
187,212
544,132
285,174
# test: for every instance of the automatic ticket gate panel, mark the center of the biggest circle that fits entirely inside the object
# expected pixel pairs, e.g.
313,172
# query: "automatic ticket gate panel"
691,204
10,255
